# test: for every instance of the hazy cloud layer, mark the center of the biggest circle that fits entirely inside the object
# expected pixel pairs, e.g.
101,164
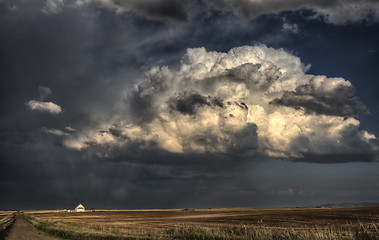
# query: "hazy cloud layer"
43,92
53,6
161,9
334,11
252,100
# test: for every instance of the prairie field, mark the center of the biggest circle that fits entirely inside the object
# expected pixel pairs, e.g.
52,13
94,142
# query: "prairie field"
307,223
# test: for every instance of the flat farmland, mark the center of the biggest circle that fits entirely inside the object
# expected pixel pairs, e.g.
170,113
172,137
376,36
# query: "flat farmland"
162,219
346,221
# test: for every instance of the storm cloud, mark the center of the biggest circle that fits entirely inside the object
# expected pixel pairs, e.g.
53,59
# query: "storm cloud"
334,11
253,99
177,104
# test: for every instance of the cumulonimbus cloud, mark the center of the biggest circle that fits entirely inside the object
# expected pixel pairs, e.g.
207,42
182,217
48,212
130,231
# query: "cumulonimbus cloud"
251,100
40,106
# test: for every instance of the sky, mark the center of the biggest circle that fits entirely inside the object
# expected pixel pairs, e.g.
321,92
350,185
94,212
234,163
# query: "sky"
188,103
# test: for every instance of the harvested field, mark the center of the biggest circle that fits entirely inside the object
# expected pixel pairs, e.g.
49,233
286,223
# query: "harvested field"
272,221
156,219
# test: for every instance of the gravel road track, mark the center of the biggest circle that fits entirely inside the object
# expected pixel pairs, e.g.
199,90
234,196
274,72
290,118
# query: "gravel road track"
23,230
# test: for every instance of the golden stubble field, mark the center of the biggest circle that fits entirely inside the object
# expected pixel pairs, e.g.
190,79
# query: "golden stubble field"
161,220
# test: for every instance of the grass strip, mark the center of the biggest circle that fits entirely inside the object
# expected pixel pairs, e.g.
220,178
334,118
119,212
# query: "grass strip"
75,231
6,222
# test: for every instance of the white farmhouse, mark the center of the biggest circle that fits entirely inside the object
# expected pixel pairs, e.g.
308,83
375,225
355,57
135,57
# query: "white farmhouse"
80,208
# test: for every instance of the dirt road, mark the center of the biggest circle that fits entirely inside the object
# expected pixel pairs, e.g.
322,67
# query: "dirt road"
23,230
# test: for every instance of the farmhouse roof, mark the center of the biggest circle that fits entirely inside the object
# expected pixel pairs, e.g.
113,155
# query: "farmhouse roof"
80,206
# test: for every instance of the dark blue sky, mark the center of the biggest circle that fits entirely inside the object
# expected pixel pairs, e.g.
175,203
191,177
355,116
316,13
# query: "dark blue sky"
87,117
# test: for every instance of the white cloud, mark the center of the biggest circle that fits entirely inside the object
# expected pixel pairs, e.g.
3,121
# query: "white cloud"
287,27
323,95
53,131
40,106
53,6
70,129
223,103
85,139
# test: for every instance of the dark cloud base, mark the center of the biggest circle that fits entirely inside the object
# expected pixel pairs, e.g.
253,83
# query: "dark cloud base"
99,184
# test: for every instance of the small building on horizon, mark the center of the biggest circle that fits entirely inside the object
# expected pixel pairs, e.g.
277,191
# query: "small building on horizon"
80,208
